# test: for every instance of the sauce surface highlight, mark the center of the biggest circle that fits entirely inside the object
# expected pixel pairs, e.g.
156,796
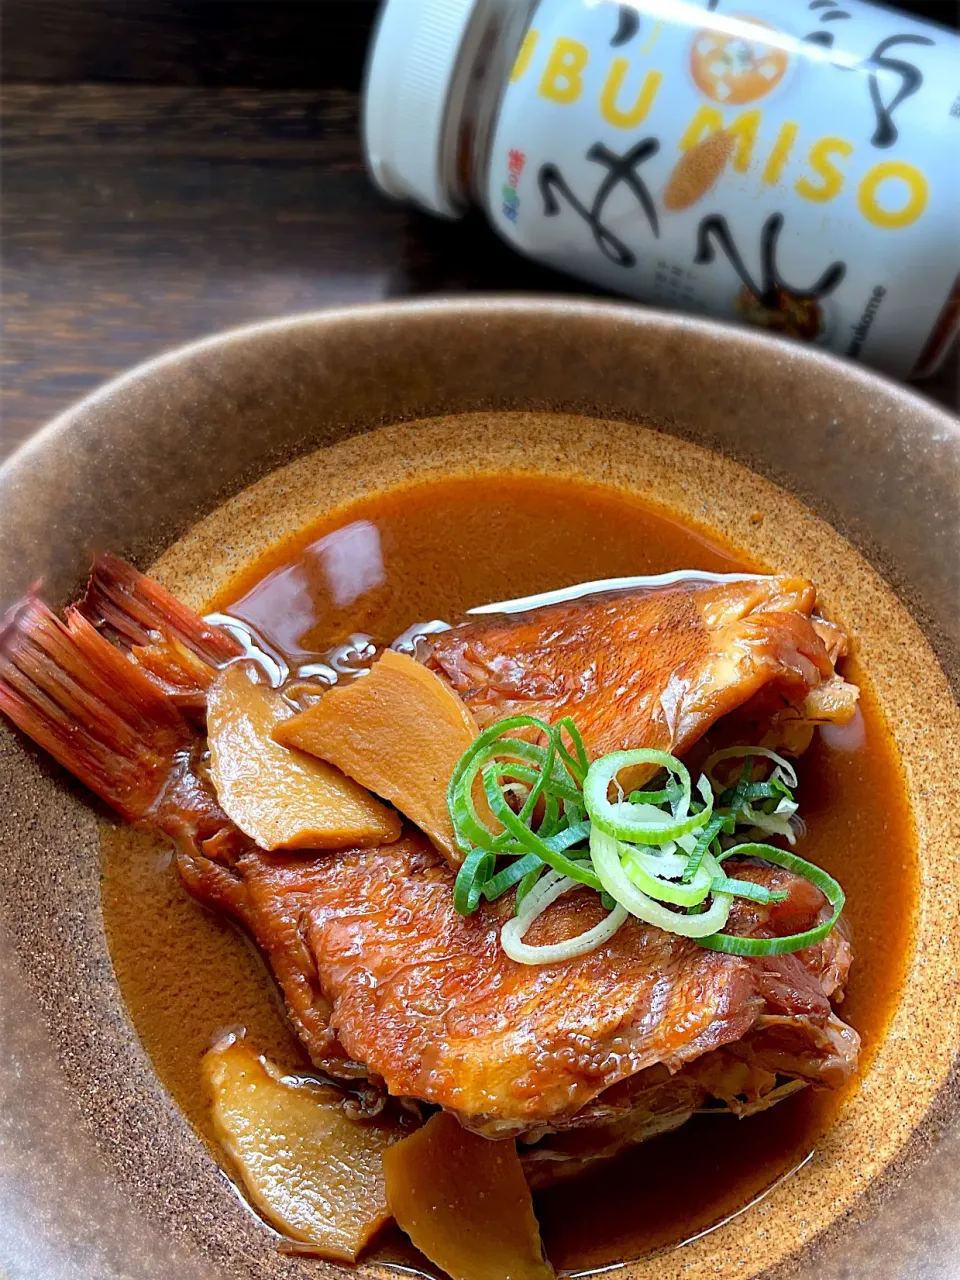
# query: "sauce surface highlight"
435,551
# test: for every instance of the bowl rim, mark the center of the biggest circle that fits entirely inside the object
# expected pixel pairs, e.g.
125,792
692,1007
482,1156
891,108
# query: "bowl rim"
729,334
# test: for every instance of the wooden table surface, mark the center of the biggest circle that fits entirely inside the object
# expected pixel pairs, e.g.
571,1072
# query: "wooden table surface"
137,217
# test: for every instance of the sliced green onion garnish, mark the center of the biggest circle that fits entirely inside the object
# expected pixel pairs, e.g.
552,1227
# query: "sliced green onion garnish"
667,795
656,855
567,837
548,778
770,790
527,883
498,884
578,762
785,768
530,840
738,796
468,886
493,743
543,896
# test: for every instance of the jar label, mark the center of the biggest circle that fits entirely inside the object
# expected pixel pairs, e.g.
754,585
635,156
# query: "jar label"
786,162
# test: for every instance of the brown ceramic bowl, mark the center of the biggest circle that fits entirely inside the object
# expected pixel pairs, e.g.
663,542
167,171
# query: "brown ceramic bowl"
100,1176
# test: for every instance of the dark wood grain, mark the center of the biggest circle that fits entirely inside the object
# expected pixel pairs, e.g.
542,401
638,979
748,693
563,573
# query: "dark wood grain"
268,43
137,218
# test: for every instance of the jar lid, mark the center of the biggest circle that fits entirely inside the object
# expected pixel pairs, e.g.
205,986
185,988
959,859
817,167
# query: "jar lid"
409,76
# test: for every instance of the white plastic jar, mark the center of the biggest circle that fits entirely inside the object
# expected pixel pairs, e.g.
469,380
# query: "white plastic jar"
793,163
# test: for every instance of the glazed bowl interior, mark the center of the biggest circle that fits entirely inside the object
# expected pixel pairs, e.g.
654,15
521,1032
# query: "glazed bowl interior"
101,1175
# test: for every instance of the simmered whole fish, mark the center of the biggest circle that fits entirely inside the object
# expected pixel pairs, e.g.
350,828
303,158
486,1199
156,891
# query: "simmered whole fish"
381,976
641,669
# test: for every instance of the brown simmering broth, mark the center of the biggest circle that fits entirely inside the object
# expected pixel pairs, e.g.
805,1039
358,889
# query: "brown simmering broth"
433,551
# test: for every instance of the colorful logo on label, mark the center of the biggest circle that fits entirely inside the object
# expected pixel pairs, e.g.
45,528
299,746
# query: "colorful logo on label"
734,69
516,160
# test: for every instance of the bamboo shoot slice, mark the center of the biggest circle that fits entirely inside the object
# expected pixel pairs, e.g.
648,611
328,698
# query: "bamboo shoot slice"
464,1202
315,1174
283,798
398,730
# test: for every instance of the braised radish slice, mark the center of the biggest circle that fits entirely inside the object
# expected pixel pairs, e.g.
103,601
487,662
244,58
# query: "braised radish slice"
283,798
464,1202
313,1172
399,730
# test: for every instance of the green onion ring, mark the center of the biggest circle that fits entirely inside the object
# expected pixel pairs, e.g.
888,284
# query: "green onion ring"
638,823
640,868
734,946
552,888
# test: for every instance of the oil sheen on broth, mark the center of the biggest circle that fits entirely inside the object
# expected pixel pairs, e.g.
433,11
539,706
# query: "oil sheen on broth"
433,551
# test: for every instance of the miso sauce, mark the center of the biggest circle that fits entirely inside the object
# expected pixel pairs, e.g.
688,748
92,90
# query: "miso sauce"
435,551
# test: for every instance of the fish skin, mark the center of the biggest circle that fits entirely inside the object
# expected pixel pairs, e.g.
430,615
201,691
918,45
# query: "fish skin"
367,943
640,669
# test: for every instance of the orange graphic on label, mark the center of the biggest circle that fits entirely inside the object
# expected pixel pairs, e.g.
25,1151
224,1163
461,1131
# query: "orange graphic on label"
733,69
697,170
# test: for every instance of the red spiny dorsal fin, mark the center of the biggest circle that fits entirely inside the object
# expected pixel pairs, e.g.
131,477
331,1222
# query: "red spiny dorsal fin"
134,611
173,645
